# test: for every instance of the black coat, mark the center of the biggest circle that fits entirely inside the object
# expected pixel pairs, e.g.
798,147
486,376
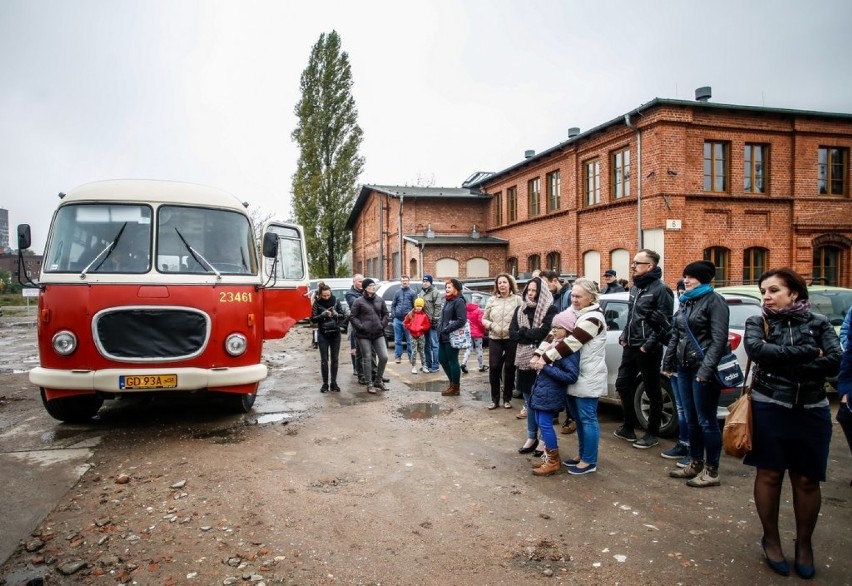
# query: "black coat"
656,296
453,317
328,323
369,316
709,317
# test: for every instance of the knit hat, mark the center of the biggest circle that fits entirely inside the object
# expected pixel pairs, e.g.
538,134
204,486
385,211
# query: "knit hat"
566,319
703,270
428,278
367,282
419,302
609,273
457,284
681,286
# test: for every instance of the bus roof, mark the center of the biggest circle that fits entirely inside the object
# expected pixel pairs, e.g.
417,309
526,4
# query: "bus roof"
153,191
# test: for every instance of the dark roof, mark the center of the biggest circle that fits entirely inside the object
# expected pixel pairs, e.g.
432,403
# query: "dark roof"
403,191
466,240
478,182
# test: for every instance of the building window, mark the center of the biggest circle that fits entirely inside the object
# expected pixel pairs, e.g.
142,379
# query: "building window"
593,182
512,203
512,266
716,167
754,264
554,262
533,263
719,257
498,209
534,190
755,160
554,191
826,262
831,172
621,173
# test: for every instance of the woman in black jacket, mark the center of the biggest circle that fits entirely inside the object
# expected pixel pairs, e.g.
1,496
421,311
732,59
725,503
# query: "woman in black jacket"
369,316
328,313
530,326
453,317
699,340
794,351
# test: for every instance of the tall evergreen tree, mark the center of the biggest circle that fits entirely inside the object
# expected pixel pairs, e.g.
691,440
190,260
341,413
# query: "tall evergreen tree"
328,135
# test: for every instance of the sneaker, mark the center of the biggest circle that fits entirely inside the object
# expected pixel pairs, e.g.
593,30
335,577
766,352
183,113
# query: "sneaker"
646,441
569,427
363,381
692,470
676,453
335,388
483,368
424,369
492,406
464,368
414,370
579,471
324,388
507,405
570,462
625,433
372,390
683,462
436,369
398,360
708,477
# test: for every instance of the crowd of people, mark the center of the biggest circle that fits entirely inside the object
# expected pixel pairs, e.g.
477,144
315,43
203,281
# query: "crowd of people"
548,345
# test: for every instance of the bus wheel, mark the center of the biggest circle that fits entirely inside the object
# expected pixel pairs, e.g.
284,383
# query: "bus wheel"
239,402
76,409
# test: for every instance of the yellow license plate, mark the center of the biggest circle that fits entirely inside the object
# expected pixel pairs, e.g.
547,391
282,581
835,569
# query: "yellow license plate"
147,381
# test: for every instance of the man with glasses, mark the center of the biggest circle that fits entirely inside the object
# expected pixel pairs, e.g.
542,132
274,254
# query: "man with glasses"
643,348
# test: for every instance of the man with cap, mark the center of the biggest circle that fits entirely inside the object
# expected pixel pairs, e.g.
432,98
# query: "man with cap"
433,309
612,285
643,348
369,316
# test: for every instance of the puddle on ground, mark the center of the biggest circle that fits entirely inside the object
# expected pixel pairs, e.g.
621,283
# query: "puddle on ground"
272,418
433,386
230,435
480,395
423,411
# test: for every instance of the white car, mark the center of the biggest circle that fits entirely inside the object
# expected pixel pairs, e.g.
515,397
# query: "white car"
614,306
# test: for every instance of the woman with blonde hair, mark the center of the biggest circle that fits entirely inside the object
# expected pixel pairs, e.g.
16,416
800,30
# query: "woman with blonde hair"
497,318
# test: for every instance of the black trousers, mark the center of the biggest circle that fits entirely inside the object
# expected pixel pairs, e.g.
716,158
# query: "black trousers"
329,349
501,365
637,366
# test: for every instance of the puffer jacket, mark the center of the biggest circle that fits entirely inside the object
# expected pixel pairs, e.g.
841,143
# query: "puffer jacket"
789,366
474,318
709,317
551,384
498,315
656,296
369,316
453,317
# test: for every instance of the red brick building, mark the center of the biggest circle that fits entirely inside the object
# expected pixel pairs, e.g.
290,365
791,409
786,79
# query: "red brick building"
747,187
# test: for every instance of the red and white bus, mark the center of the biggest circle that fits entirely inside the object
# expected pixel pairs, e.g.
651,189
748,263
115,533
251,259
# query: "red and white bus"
156,286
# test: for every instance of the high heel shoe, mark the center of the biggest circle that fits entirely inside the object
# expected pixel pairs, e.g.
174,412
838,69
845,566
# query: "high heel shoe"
782,567
805,572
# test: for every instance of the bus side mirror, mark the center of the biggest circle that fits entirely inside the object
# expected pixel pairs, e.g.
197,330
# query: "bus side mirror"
270,245
24,238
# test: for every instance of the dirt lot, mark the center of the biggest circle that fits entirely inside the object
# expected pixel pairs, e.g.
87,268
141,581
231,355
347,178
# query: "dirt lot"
402,488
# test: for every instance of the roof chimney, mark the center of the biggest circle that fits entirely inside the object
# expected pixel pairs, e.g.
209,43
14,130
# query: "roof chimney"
573,131
529,154
703,94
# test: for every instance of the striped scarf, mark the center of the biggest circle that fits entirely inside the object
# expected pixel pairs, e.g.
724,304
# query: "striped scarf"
525,352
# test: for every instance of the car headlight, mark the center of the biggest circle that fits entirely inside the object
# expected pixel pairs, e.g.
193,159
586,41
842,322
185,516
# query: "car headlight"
64,343
236,344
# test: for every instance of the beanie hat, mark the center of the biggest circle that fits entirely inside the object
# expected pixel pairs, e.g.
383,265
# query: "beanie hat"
419,302
428,278
367,282
457,284
703,270
566,319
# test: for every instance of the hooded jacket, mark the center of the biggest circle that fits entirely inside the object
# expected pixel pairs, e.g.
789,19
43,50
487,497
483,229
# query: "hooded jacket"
474,318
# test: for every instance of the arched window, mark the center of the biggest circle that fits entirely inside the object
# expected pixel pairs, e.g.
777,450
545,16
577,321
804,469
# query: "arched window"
533,263
512,266
554,262
412,269
719,257
754,264
826,263
592,264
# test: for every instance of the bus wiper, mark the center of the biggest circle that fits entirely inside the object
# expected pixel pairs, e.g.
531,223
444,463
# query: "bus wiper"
197,255
109,247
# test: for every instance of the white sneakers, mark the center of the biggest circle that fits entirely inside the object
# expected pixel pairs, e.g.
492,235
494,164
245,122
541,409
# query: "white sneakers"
414,370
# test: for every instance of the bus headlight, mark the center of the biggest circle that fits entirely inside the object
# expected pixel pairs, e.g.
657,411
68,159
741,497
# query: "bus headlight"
236,344
64,343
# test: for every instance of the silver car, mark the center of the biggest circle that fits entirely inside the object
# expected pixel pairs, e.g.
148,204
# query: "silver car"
614,306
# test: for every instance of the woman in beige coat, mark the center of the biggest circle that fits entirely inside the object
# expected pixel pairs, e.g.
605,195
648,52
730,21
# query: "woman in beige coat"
501,350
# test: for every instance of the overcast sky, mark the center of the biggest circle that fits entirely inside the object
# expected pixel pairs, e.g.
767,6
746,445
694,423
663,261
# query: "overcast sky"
204,91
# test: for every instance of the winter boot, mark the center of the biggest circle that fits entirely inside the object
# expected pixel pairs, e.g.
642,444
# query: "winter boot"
452,391
551,464
694,469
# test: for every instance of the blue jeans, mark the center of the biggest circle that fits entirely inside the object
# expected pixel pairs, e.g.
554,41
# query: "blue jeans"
584,410
432,349
400,336
682,421
699,401
449,358
544,419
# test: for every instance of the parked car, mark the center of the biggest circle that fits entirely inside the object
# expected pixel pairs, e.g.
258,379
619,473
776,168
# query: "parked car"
614,306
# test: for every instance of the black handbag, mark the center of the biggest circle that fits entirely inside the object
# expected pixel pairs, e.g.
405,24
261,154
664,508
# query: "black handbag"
728,373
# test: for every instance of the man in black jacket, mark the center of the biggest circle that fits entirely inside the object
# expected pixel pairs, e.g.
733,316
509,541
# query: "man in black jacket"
610,277
356,291
643,348
369,316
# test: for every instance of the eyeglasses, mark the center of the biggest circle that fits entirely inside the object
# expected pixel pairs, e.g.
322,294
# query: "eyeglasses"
634,263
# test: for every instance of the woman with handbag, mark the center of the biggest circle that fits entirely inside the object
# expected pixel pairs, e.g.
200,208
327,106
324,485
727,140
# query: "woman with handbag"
530,326
794,351
328,313
453,318
699,340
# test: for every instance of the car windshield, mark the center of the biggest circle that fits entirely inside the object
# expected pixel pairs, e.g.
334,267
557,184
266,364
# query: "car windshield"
740,312
832,304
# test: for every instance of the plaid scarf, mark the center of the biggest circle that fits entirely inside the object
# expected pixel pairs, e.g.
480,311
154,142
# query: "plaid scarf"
525,352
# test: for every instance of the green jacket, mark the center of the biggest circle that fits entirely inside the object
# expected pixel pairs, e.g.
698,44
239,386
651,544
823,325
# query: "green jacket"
433,304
